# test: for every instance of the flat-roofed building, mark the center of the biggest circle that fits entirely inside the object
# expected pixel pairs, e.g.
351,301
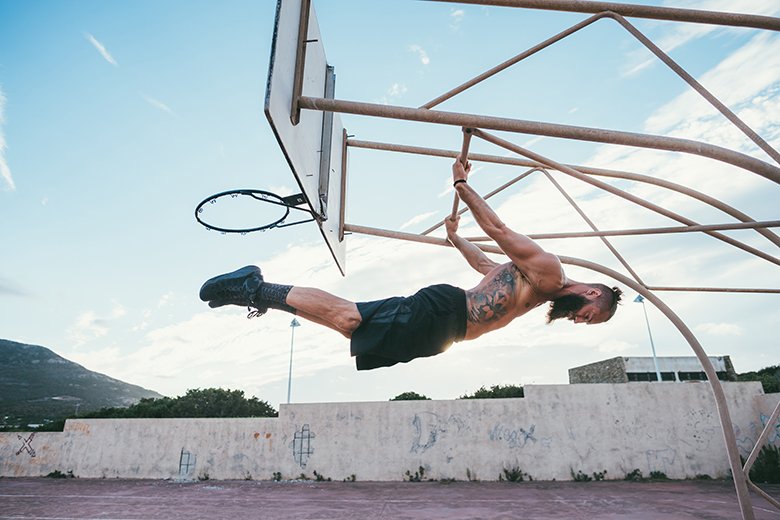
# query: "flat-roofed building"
630,369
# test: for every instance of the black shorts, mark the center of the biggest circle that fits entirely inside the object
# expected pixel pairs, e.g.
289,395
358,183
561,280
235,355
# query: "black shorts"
397,330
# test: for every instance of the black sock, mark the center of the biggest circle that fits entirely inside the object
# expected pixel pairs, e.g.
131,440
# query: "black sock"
274,296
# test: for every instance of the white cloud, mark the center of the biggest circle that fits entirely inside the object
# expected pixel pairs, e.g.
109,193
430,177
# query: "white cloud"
417,219
101,49
393,93
156,103
397,90
89,325
421,54
165,299
456,17
719,329
615,346
5,171
676,35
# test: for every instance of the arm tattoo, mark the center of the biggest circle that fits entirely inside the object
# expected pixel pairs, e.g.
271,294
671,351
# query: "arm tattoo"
493,302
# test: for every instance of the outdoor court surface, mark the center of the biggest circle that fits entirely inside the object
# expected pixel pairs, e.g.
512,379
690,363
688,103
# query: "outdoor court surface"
44,498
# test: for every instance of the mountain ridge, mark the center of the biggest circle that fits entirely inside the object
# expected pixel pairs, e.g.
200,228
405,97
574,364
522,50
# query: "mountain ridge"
38,385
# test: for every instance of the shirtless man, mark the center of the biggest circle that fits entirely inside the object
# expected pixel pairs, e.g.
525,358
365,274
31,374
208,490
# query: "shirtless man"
399,329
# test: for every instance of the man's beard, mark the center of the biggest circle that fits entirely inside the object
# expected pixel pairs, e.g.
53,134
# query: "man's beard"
564,306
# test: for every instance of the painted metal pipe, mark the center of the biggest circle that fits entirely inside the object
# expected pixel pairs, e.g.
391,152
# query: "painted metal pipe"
464,158
620,193
579,133
643,231
592,225
511,61
672,14
514,161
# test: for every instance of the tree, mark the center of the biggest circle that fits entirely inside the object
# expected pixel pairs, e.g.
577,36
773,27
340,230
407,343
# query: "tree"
410,396
495,392
207,402
769,377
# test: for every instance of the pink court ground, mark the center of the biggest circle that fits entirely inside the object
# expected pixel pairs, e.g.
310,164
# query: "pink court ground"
113,499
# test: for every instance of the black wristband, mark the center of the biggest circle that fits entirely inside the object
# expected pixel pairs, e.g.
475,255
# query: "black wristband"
458,182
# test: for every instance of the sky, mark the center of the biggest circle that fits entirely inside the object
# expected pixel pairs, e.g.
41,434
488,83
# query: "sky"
118,118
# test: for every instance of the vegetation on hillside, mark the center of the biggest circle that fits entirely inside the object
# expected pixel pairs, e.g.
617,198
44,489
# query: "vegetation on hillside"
207,402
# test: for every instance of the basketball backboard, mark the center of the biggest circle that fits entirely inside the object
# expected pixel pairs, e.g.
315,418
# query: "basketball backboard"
313,142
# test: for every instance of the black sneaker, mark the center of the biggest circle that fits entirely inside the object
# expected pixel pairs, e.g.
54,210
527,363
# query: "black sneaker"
237,288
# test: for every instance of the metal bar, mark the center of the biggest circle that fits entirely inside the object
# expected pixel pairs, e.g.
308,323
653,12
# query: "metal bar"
594,228
508,63
698,87
547,129
770,425
464,158
643,231
715,289
638,11
300,62
343,186
729,438
620,193
514,161
761,492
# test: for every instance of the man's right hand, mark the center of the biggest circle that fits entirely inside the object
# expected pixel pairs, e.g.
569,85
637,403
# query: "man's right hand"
451,225
459,171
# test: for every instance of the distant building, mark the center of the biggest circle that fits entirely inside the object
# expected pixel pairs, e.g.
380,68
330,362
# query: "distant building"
631,369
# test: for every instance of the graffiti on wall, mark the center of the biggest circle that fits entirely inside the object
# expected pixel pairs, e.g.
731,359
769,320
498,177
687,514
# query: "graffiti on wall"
661,460
746,440
429,428
186,463
26,445
517,437
302,445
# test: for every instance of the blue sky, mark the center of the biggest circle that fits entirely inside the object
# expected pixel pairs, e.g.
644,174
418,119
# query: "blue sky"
116,119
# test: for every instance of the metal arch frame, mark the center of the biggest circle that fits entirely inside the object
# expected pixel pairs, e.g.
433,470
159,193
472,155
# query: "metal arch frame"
477,124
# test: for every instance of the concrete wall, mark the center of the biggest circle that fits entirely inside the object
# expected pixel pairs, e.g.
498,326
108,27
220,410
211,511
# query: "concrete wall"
554,430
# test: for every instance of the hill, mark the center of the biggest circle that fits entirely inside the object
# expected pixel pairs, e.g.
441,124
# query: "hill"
37,385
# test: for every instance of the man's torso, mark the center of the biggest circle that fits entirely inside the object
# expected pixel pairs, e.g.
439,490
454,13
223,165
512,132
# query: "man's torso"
502,295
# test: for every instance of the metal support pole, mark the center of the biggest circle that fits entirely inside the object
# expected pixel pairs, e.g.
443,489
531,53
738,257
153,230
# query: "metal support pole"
640,299
464,159
300,61
294,323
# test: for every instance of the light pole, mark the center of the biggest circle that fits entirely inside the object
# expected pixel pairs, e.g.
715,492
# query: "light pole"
294,323
640,299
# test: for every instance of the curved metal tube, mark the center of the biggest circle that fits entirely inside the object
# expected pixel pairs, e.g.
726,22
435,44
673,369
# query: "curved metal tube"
740,482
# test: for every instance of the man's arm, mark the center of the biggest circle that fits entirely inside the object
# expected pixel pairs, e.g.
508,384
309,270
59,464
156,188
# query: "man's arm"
542,268
473,255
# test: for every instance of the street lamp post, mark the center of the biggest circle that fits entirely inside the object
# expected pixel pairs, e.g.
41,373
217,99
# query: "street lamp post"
640,299
294,323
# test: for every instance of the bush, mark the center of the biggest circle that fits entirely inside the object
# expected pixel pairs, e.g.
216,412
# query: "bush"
766,468
514,474
496,392
410,396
